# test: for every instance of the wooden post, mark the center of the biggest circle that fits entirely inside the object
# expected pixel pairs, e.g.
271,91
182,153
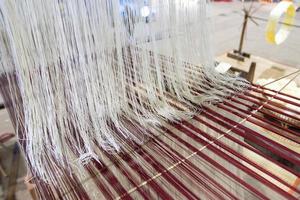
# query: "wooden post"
239,54
243,32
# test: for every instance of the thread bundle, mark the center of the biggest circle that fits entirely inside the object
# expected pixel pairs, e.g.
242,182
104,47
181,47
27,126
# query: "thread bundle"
84,76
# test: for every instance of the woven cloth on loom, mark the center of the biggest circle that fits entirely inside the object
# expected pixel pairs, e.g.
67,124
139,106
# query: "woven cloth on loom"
231,150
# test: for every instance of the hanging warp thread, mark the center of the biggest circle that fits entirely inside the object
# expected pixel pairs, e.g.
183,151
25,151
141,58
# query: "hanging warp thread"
87,70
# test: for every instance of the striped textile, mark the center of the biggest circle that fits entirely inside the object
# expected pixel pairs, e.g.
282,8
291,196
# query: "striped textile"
237,149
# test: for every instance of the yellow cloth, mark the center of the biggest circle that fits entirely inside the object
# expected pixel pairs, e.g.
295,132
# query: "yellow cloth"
279,37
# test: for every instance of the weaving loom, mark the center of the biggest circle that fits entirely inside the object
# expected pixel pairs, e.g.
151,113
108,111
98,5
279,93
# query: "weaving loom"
111,119
210,156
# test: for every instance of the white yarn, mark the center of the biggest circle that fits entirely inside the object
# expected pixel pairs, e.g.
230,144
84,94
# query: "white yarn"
81,70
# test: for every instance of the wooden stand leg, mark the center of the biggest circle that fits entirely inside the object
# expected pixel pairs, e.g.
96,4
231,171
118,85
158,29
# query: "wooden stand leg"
2,171
30,187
